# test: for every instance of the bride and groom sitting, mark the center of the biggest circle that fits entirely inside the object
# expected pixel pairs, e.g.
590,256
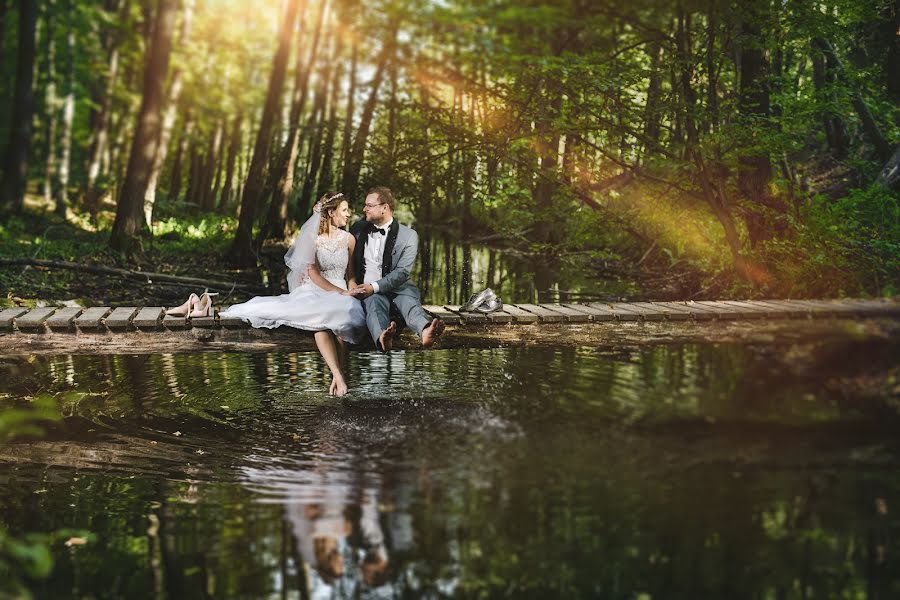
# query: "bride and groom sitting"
342,284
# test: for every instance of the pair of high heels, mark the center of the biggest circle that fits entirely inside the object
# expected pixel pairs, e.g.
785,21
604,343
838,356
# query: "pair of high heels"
195,307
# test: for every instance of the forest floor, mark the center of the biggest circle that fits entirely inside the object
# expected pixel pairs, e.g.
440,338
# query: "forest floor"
186,245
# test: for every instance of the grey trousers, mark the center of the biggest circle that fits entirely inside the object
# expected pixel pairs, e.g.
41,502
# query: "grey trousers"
408,302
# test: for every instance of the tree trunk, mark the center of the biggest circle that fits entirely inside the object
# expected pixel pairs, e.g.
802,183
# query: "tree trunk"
347,135
315,154
835,130
326,172
51,107
191,196
4,9
281,180
176,176
209,170
241,252
100,134
15,166
350,175
890,173
130,223
870,126
65,158
654,95
755,168
234,148
171,113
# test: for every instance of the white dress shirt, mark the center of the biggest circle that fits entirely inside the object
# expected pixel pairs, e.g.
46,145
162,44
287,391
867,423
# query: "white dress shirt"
374,254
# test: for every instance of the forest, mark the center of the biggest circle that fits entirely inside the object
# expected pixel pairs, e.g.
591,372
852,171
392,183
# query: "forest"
698,148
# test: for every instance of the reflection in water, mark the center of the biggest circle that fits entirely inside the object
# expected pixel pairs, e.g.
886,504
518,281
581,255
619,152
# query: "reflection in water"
680,471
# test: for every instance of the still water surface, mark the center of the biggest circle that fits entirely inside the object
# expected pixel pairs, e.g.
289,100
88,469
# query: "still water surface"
676,471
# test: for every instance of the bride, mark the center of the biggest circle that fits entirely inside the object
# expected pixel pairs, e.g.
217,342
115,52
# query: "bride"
320,269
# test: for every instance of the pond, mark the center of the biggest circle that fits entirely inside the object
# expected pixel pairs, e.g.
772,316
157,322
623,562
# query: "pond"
682,470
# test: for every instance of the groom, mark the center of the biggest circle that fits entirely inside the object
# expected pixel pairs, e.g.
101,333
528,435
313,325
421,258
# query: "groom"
384,255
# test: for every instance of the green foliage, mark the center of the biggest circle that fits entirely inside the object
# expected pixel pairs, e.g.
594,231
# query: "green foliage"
26,556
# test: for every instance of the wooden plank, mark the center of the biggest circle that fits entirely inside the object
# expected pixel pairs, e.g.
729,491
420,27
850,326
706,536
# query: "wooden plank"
823,309
205,322
787,308
754,307
726,311
621,311
519,315
173,322
500,316
233,322
34,319
63,318
467,317
148,317
546,315
445,315
92,318
573,315
647,310
595,313
8,317
608,313
121,317
696,312
671,313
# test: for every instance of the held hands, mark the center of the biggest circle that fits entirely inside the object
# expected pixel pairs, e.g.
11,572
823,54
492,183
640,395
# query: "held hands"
361,291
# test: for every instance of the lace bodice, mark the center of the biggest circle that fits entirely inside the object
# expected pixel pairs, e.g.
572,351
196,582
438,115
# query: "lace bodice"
332,256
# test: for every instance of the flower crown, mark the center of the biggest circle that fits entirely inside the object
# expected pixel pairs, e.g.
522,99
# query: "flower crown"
317,207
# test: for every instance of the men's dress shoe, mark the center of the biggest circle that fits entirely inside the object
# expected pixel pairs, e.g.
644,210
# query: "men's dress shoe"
478,299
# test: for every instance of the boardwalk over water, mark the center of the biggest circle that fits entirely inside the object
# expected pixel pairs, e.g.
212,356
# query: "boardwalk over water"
134,329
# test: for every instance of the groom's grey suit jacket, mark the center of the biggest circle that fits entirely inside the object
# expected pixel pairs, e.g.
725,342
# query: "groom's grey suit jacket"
400,250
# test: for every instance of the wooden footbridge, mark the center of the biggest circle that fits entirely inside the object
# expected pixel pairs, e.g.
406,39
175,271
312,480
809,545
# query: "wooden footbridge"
140,330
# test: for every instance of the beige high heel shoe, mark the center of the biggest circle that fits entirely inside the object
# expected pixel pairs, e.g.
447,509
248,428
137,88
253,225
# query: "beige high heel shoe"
184,309
204,307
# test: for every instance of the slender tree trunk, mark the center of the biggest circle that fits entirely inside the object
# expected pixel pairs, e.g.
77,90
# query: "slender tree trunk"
870,126
4,9
15,166
51,107
315,156
177,165
326,172
654,95
234,148
209,171
99,149
755,168
130,223
191,196
65,158
170,115
281,180
242,252
347,135
835,130
350,176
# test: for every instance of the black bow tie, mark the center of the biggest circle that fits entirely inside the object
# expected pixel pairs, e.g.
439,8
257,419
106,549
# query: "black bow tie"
377,230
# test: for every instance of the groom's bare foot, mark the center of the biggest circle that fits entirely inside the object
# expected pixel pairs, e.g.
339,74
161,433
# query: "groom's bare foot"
338,387
431,333
387,337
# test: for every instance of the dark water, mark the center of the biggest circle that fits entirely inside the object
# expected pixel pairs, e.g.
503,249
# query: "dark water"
677,471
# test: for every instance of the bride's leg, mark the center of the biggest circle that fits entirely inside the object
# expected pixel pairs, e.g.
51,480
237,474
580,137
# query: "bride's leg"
342,353
325,341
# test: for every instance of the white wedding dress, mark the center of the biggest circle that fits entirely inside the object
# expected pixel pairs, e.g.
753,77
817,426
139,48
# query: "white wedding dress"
308,306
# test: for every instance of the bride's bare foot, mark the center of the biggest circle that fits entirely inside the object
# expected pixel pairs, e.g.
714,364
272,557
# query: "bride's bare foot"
338,387
387,337
431,333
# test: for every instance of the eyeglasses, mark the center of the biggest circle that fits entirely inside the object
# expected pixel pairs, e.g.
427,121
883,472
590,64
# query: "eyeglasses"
367,205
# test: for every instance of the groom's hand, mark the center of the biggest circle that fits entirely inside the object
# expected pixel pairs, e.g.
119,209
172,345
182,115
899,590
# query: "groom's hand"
362,291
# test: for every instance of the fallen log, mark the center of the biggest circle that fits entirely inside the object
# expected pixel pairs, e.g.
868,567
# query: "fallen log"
146,276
